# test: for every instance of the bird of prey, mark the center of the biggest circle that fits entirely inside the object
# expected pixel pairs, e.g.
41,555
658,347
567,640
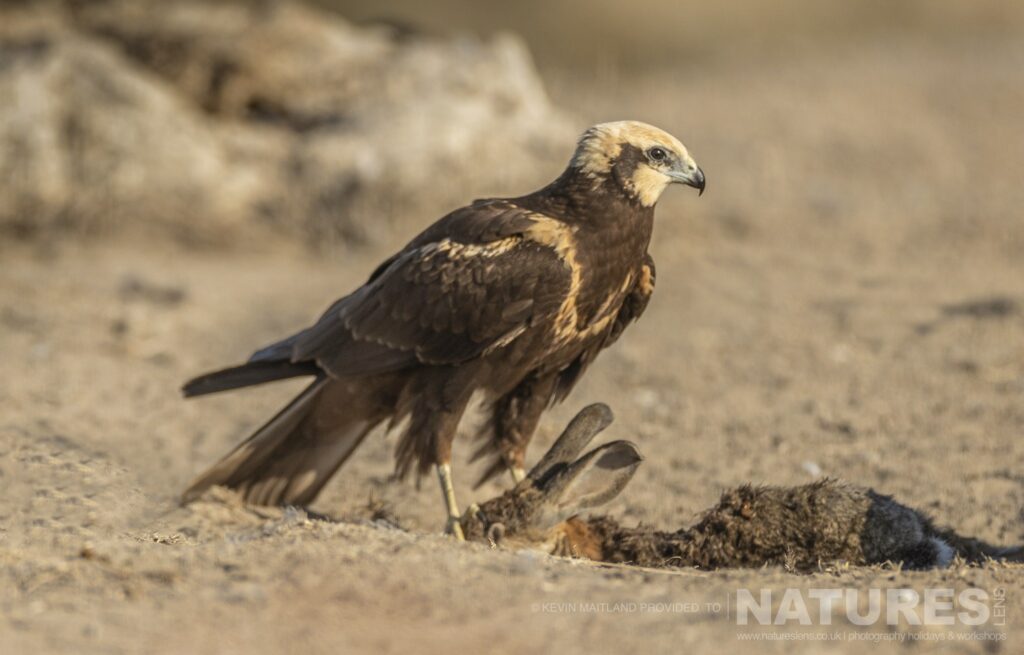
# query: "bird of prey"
514,297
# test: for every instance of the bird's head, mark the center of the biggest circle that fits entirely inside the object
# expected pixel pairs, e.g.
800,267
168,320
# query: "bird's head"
642,159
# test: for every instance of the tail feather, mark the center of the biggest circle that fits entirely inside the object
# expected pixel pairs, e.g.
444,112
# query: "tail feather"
297,477
249,455
246,375
290,459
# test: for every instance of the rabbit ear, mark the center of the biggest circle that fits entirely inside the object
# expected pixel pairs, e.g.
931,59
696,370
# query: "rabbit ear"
591,481
581,430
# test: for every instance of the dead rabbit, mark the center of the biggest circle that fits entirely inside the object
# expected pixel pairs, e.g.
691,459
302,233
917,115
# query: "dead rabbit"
801,527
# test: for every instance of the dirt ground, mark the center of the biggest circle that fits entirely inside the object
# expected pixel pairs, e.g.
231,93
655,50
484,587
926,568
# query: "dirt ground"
847,299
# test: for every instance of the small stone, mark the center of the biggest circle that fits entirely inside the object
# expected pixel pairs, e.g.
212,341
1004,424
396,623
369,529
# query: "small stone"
812,468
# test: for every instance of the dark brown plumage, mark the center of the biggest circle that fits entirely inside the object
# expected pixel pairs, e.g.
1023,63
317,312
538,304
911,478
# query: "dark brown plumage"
514,297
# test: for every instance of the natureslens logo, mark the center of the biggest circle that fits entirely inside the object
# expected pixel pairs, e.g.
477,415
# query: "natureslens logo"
937,606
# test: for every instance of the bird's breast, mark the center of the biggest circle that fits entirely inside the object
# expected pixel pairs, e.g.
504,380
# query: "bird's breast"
591,310
603,262
609,262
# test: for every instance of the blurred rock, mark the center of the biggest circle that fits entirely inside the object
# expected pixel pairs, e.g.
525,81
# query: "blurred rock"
213,122
137,288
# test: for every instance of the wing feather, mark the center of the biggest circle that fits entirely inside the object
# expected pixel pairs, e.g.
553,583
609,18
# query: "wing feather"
470,283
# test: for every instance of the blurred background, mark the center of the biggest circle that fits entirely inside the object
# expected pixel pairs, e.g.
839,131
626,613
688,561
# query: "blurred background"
183,182
588,35
346,122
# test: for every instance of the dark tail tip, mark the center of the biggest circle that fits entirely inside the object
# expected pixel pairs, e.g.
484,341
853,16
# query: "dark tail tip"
246,375
191,389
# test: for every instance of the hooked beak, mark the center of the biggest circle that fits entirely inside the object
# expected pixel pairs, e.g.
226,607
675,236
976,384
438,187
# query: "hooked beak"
690,177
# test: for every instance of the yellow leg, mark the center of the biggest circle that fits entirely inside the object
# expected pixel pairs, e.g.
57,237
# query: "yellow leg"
517,473
454,527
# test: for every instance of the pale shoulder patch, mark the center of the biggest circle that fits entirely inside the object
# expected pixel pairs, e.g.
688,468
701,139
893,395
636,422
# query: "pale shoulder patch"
455,250
646,281
559,237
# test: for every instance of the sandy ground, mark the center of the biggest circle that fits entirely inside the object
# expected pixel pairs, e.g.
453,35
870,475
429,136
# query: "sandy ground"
846,300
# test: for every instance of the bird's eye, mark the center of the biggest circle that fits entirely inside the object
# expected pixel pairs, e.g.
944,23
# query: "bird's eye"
657,154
